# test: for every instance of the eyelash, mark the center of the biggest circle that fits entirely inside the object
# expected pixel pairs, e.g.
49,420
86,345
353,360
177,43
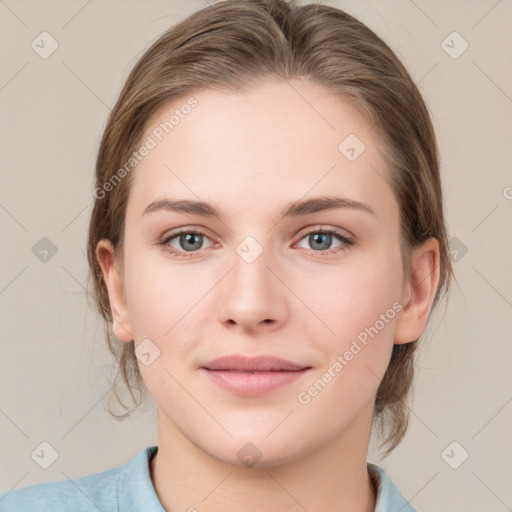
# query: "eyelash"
191,254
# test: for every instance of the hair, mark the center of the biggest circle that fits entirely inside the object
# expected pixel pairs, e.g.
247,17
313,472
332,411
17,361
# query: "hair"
235,44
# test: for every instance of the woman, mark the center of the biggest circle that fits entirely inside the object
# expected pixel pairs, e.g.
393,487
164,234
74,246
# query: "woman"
266,246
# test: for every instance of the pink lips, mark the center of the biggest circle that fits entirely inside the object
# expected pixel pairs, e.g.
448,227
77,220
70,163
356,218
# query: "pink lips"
252,376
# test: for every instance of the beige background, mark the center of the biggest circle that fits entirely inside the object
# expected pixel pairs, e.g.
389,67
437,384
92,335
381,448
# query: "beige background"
54,365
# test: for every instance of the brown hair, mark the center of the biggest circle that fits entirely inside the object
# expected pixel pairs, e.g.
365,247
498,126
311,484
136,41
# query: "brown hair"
233,44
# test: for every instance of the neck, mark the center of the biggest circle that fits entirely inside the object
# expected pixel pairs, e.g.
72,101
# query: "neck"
333,477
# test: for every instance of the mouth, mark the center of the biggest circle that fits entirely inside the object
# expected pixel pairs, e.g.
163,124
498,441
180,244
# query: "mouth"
252,376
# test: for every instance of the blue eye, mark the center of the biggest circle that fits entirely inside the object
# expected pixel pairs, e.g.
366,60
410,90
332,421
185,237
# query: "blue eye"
184,244
188,241
321,240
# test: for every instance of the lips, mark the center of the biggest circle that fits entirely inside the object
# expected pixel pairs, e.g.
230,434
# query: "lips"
240,363
252,376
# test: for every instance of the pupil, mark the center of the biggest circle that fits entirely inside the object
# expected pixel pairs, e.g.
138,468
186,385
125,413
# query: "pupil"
189,238
319,237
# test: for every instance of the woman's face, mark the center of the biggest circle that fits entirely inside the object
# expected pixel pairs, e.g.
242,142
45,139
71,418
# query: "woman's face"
265,276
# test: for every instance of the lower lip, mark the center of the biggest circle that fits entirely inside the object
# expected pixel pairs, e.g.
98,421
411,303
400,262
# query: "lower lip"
252,384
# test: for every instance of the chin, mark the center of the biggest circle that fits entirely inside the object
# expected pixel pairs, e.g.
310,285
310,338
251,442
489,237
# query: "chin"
258,451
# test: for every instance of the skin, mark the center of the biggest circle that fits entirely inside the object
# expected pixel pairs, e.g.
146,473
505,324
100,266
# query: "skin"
249,153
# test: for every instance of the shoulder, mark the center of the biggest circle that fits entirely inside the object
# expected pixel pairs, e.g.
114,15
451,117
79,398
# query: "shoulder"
389,498
99,491
91,492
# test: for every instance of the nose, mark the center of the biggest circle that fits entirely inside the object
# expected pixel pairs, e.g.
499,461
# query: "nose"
253,297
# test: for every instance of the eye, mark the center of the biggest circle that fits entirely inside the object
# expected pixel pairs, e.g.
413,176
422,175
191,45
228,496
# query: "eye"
186,243
183,242
321,240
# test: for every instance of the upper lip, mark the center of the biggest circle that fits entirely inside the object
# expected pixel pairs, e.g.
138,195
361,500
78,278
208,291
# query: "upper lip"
238,362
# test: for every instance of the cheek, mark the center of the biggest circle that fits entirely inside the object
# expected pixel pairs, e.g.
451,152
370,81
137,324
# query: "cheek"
360,307
351,298
163,302
160,294
168,304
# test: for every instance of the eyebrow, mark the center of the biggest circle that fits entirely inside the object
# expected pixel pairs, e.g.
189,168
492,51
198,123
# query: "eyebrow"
293,209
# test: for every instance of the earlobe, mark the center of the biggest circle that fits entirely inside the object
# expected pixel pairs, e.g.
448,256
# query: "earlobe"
105,253
418,292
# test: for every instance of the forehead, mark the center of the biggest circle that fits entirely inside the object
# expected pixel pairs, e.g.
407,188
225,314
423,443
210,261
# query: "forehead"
261,147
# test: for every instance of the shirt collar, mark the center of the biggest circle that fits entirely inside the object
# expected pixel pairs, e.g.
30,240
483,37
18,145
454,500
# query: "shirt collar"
389,498
135,487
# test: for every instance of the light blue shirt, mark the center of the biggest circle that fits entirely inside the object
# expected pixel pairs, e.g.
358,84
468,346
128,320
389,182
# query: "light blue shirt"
128,488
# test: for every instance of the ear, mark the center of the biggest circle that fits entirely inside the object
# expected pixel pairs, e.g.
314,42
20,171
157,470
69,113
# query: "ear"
105,253
418,292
